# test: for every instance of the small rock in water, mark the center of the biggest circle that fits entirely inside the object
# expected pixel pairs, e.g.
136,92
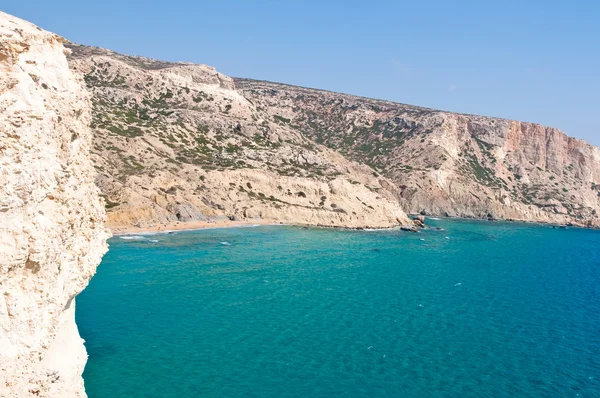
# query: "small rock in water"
409,228
419,221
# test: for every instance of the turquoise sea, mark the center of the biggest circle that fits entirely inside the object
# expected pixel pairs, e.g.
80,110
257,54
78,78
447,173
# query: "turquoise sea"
477,310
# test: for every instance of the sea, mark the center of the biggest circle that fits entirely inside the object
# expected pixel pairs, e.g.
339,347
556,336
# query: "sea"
462,309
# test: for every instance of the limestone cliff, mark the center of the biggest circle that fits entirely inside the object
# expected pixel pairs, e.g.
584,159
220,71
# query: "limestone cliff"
180,142
177,142
51,216
446,163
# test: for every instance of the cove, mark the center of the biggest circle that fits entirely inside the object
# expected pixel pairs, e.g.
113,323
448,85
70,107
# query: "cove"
477,309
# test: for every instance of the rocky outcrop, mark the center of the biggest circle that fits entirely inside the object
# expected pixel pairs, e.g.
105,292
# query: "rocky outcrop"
419,221
177,142
445,163
51,217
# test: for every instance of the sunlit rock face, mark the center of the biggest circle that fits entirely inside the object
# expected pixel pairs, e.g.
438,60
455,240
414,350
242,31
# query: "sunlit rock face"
178,142
447,163
51,216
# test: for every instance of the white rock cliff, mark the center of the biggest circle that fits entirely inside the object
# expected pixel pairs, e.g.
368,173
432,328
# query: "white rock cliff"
51,216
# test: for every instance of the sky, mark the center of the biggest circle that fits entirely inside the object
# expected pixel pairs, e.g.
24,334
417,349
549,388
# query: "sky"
536,61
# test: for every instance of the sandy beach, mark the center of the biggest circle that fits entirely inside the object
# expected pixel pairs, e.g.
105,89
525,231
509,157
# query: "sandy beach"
190,225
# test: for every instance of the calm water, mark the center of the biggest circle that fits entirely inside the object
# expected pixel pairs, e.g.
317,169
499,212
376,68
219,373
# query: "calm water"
477,310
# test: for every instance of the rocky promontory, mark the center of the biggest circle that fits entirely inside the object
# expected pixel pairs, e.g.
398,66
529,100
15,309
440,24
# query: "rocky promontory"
51,216
448,164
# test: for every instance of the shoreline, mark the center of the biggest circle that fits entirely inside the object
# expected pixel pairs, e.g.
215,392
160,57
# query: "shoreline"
188,226
515,221
199,225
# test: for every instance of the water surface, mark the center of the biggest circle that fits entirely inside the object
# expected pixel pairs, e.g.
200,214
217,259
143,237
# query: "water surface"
476,310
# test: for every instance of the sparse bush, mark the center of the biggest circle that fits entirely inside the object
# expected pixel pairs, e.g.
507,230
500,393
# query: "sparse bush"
281,119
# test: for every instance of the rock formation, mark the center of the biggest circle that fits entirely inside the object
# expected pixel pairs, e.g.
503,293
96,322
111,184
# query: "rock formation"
445,163
179,142
176,142
51,216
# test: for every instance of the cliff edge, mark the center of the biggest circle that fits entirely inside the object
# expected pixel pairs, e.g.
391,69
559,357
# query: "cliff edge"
51,216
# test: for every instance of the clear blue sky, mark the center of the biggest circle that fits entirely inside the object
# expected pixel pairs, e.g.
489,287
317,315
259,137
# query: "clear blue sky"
530,60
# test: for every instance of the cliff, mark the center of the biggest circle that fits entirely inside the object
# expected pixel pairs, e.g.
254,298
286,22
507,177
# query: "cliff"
51,217
445,163
177,142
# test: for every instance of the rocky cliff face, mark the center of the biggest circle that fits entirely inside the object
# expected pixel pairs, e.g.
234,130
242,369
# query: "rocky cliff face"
51,217
448,164
176,142
180,142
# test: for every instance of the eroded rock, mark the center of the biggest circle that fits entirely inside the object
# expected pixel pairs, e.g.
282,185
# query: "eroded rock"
51,220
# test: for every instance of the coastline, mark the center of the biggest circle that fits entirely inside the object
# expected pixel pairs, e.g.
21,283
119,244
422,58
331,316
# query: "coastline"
188,226
198,225
515,221
214,224
225,223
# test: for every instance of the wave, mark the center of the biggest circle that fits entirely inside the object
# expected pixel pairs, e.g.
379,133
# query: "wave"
132,237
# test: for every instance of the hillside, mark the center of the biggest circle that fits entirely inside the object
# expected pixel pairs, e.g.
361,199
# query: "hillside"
446,163
176,142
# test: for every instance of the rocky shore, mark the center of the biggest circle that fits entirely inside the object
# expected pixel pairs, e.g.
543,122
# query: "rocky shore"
91,139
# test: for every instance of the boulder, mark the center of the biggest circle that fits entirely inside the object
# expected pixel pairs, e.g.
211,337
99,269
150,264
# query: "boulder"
419,221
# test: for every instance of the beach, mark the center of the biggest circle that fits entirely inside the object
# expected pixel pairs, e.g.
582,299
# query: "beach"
187,225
